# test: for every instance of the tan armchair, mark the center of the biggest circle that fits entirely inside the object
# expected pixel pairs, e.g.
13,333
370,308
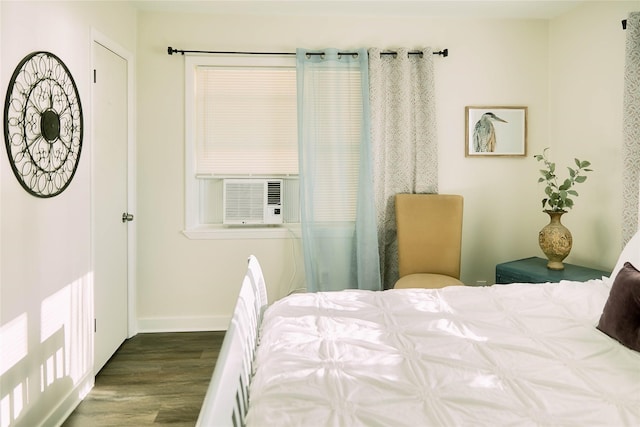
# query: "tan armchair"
429,240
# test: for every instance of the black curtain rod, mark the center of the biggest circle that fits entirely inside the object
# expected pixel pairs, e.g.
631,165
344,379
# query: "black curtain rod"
444,53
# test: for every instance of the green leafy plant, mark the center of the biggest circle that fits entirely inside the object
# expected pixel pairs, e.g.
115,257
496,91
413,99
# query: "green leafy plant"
558,197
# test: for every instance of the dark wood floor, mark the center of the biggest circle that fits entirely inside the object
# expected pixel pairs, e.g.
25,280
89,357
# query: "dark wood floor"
153,379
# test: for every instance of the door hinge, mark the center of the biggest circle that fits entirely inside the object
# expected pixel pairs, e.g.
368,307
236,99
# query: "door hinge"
94,75
95,325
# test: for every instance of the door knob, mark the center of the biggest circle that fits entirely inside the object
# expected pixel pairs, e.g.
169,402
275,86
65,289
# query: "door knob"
127,217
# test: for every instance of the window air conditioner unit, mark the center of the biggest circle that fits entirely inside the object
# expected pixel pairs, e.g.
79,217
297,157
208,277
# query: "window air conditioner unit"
249,201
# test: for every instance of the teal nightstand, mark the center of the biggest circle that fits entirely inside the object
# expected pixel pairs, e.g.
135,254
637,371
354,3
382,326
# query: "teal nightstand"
534,270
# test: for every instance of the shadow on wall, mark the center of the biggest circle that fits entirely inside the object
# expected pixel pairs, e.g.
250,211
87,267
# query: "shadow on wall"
39,375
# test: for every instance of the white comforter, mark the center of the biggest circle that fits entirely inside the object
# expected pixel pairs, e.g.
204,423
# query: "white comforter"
506,355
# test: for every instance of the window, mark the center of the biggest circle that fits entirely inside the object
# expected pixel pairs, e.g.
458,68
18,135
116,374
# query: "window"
240,121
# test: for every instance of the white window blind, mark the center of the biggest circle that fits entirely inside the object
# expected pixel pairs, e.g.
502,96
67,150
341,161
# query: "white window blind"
337,126
246,121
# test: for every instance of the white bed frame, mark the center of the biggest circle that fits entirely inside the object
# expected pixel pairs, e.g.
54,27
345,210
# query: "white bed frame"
227,398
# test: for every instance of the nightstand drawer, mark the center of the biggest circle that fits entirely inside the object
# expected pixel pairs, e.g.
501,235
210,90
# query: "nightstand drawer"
534,270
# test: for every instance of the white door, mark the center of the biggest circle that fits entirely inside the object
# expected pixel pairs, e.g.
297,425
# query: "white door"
110,126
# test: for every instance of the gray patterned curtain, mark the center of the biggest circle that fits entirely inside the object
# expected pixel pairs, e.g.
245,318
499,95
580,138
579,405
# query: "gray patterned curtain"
403,137
631,130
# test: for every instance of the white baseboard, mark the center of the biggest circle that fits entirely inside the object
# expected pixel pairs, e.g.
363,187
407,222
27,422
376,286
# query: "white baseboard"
183,324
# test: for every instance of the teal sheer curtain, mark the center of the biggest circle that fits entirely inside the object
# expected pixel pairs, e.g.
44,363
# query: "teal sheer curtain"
338,220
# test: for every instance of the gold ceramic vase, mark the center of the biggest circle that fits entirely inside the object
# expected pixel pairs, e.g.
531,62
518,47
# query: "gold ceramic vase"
555,240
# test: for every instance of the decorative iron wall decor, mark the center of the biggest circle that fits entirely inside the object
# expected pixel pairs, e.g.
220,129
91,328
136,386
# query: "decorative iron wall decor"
43,124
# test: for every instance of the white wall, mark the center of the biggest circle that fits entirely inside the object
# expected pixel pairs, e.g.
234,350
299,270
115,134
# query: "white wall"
586,52
46,300
493,63
191,283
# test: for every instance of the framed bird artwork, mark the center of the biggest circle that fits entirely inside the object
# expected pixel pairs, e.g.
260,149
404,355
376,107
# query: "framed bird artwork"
495,131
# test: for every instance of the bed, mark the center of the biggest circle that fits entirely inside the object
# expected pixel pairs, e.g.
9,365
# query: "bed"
507,355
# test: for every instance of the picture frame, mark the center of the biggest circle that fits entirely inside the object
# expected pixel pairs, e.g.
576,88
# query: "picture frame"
495,131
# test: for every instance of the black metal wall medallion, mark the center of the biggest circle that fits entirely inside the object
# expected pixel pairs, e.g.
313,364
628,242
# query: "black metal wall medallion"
43,124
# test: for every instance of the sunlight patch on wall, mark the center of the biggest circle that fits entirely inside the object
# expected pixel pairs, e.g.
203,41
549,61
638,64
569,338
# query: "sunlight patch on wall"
14,332
55,324
12,405
49,357
69,311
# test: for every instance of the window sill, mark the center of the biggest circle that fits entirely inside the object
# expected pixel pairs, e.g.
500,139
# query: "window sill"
214,232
